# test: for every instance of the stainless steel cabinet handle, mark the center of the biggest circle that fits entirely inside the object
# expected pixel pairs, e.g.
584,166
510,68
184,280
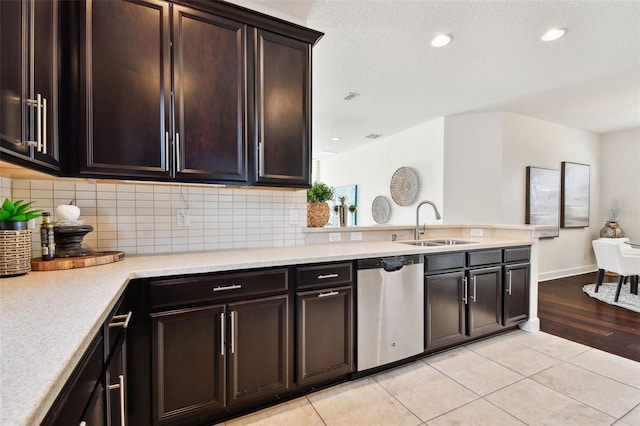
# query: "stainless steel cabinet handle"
118,323
166,151
464,283
44,125
331,293
260,160
178,159
509,289
326,276
222,334
120,386
39,121
474,290
229,287
233,332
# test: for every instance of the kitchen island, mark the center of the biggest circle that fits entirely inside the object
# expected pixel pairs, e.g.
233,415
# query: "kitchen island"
48,319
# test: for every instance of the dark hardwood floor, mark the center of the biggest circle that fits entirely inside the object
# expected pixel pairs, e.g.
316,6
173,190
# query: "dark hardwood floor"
566,311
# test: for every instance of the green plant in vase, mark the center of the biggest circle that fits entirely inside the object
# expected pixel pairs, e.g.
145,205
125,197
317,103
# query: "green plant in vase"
317,208
16,215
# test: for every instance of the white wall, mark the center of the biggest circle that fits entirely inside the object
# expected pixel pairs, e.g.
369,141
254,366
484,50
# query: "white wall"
486,156
620,178
472,168
533,142
372,166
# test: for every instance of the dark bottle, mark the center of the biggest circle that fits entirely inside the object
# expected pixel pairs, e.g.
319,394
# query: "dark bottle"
47,242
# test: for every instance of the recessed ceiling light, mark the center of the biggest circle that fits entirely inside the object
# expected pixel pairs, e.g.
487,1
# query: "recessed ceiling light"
553,34
350,96
335,139
441,40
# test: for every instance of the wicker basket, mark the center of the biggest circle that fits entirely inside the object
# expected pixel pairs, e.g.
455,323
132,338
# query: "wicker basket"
15,252
317,214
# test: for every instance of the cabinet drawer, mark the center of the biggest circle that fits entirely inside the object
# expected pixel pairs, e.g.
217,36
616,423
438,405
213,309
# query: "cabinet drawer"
324,275
516,254
484,257
180,291
443,262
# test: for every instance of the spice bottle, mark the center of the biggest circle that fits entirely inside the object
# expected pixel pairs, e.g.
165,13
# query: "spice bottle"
47,242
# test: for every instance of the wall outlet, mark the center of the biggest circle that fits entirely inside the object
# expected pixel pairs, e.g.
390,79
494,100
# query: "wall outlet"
356,236
182,218
334,237
475,232
293,217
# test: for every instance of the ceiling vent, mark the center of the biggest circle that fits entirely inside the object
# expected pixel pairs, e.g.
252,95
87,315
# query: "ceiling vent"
350,96
373,136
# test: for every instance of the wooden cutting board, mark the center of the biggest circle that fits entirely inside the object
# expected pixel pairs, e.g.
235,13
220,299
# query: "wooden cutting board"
93,259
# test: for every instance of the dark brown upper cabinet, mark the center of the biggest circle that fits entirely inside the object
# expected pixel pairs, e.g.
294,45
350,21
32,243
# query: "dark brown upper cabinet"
283,87
29,61
189,92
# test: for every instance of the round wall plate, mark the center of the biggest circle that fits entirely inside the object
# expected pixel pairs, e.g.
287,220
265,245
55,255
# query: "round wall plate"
381,209
405,186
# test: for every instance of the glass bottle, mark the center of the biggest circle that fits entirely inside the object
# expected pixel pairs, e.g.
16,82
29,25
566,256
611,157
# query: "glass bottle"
47,242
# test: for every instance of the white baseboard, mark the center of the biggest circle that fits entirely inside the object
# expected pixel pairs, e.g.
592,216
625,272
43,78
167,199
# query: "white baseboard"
552,275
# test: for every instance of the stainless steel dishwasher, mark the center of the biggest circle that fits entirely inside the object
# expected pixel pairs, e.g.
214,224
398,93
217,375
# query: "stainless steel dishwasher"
390,302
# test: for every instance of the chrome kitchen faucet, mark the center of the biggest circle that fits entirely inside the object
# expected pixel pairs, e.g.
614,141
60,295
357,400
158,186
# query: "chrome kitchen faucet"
417,233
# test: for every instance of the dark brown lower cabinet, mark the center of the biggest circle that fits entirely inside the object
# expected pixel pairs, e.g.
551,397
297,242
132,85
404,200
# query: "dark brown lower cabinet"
484,300
445,309
207,359
188,363
461,303
325,334
516,293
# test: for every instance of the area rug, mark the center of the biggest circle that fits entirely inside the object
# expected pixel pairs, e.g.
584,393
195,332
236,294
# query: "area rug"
607,292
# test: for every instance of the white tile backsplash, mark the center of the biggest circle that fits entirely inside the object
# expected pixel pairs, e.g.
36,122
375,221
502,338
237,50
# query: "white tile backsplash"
141,218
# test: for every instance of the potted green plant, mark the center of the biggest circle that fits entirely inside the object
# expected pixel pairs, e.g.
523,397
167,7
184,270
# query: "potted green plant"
15,251
15,216
317,208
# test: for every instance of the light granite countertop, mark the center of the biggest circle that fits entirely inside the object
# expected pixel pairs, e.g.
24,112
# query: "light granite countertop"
48,319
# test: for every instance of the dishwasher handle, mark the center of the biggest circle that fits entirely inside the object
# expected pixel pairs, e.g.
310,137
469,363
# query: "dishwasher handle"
390,264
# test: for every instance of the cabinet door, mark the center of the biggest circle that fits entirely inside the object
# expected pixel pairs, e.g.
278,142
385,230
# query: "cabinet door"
259,349
80,390
125,78
210,97
187,356
325,334
445,310
45,79
116,384
28,67
13,81
94,414
516,293
283,89
484,300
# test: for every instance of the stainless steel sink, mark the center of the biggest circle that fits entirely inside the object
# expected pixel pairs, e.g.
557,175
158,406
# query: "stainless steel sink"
439,242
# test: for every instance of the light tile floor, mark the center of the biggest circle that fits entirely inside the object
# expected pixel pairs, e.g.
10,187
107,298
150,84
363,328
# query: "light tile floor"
517,378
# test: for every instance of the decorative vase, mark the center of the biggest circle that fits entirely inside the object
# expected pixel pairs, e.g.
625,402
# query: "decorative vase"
611,230
342,212
15,248
317,214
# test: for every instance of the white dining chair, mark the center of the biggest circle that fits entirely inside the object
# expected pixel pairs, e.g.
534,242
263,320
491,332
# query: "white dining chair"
612,256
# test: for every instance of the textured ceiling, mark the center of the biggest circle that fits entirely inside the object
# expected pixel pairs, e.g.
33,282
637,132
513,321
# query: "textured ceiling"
589,79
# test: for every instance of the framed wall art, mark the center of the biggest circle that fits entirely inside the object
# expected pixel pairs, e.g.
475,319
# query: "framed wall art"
543,199
574,205
350,193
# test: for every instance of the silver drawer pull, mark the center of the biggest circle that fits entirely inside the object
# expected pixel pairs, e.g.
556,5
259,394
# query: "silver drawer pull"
118,323
509,289
331,293
120,386
229,287
324,277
